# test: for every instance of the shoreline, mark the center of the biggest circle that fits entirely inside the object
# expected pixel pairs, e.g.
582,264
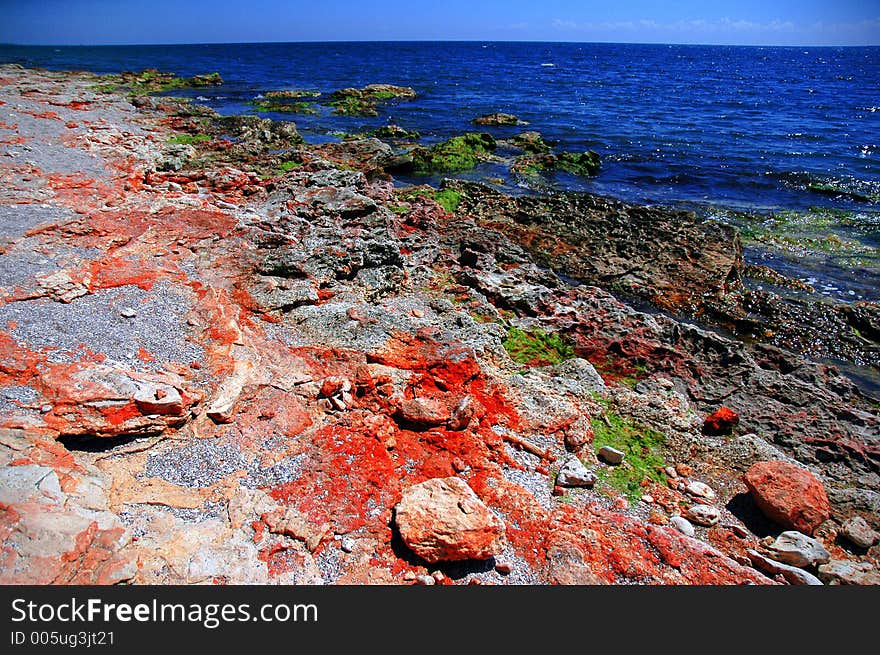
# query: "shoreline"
215,370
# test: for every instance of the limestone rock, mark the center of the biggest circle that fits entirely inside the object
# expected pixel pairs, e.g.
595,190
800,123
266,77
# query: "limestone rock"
789,495
611,455
423,412
574,474
442,519
837,572
857,530
682,525
792,574
704,515
798,549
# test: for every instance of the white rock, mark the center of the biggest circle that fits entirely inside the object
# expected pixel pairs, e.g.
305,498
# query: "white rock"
347,544
682,525
797,549
792,574
704,515
574,474
611,455
700,490
127,312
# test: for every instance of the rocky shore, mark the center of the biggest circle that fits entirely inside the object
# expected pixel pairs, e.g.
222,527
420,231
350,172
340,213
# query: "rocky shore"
231,357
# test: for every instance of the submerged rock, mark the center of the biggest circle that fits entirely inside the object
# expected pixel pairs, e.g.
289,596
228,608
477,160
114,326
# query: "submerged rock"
498,118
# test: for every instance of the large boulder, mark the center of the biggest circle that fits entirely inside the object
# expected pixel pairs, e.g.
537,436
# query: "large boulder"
789,495
442,519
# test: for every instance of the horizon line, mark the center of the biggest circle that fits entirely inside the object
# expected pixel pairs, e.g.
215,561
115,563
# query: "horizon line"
483,41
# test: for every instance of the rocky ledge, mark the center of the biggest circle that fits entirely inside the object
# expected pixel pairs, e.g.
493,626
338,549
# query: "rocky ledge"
251,360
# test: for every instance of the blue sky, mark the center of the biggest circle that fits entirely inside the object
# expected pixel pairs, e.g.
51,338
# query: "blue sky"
748,22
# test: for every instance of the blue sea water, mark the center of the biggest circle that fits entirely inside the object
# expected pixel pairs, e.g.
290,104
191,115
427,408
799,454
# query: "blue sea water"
709,128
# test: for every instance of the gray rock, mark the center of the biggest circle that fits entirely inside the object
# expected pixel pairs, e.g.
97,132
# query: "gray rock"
797,549
837,572
857,530
574,474
682,525
704,515
792,574
611,455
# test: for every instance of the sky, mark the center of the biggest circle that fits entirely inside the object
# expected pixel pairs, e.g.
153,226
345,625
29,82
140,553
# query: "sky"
742,22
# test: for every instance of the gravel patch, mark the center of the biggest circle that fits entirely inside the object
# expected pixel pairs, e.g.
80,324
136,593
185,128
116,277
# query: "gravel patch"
20,265
15,220
96,321
276,475
197,464
12,398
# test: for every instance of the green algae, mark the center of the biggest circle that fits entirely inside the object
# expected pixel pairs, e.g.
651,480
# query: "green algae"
151,81
448,199
273,106
460,153
363,102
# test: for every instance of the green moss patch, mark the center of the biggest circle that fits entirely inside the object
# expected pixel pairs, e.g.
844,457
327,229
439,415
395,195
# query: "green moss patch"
537,347
642,447
448,199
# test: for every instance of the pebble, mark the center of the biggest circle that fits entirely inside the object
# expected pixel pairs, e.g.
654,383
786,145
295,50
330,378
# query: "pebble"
504,568
45,409
611,455
647,498
127,312
347,544
704,515
857,530
684,470
409,576
426,580
700,490
670,471
438,576
682,525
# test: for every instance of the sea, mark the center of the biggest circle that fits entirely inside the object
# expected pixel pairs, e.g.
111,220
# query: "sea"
783,142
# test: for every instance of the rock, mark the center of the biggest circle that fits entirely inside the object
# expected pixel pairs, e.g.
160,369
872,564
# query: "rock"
460,153
427,580
838,572
442,519
498,118
292,523
798,549
684,470
504,568
720,422
704,515
700,490
462,414
611,455
574,474
857,530
789,495
347,544
682,525
792,574
127,312
423,412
